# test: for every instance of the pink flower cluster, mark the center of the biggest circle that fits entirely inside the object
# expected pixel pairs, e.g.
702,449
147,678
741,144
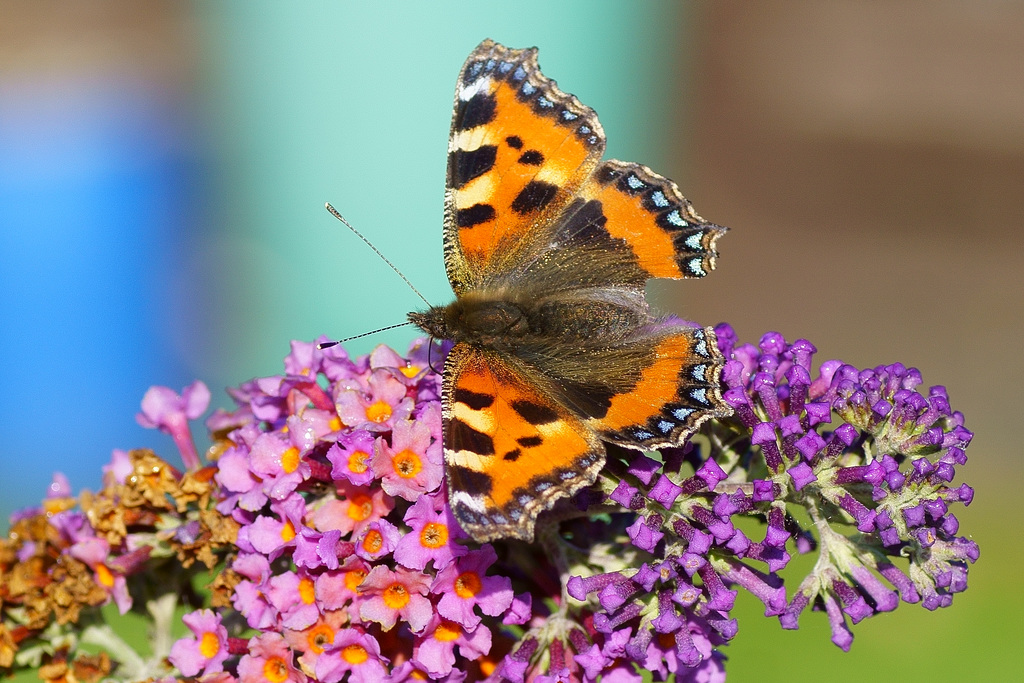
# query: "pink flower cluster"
347,558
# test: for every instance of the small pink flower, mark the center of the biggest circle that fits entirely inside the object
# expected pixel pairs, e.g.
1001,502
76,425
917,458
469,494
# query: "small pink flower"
294,596
394,594
269,660
411,465
355,508
314,640
351,456
339,588
379,408
271,535
355,652
377,540
165,410
205,652
278,462
463,585
432,536
435,649
94,552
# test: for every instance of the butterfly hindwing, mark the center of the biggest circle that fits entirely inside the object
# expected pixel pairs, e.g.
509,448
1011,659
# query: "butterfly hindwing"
510,450
652,218
677,390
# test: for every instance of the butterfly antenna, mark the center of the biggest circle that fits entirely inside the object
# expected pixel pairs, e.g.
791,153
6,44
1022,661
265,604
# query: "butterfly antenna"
329,344
334,212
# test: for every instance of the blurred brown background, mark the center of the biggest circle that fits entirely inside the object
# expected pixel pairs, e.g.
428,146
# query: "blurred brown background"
869,158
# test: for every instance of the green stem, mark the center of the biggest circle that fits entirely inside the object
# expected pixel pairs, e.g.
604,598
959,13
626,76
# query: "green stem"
162,611
132,666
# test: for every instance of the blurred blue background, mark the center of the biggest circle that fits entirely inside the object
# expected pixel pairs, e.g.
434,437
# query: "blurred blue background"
163,169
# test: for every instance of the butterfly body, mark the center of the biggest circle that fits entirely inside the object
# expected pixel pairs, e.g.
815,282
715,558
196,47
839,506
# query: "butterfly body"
548,249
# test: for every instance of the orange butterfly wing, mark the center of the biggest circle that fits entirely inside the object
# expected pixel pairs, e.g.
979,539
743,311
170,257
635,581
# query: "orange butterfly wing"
510,451
519,150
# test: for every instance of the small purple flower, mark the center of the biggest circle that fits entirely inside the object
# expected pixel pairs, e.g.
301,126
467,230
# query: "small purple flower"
435,648
354,652
411,464
464,586
395,594
207,650
432,536
377,407
169,412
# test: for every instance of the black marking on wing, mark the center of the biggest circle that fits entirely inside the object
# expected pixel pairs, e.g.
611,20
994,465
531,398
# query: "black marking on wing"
476,111
531,157
474,215
465,165
534,413
465,438
586,221
535,196
530,441
512,455
474,400
464,479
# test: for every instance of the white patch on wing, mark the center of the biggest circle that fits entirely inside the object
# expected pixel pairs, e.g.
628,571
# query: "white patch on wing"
468,90
472,502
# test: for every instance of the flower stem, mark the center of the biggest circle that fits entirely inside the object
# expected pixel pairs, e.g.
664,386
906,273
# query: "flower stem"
131,666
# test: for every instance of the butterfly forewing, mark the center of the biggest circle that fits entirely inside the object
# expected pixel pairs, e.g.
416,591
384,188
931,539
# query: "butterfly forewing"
519,150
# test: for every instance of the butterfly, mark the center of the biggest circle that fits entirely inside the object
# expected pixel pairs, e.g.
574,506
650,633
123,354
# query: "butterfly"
556,352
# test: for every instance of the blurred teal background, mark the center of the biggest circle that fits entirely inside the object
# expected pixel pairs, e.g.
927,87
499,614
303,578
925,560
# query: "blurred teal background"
163,169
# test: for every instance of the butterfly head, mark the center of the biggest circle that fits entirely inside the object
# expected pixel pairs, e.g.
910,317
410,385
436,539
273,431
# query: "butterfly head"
476,320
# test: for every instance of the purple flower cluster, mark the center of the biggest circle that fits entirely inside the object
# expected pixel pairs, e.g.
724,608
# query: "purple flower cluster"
324,507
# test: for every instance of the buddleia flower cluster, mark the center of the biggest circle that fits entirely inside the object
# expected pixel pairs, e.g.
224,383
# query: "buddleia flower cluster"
313,540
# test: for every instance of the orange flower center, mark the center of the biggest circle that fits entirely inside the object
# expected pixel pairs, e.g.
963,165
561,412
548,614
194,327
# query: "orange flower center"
467,585
409,371
378,412
290,460
209,645
275,670
360,506
434,535
407,464
307,590
104,576
373,542
357,462
319,637
487,665
447,631
355,654
335,423
395,596
354,578
287,531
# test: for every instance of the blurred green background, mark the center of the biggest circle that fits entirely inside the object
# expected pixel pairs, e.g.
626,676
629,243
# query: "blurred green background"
163,169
